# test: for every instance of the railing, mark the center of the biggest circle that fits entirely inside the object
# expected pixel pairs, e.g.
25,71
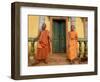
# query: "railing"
32,41
82,46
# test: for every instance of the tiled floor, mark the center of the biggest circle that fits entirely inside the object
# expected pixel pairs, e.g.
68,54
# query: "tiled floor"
55,59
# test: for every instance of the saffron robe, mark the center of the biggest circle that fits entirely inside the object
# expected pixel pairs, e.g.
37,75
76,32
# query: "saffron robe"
43,46
72,45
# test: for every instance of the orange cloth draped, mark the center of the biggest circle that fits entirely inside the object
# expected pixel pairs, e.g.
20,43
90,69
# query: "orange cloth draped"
43,47
72,45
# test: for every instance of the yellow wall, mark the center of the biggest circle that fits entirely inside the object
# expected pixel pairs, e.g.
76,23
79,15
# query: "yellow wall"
79,27
33,25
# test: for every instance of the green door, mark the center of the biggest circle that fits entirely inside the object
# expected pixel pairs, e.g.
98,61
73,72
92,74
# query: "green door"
59,36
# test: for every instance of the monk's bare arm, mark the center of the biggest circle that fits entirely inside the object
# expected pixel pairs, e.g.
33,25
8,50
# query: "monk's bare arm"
37,38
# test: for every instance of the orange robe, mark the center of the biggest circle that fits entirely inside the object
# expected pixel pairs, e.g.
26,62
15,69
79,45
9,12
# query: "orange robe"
43,47
72,45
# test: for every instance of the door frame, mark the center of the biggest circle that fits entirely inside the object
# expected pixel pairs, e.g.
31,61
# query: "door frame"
51,26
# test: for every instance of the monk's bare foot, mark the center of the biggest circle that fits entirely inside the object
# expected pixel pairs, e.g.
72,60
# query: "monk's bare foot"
72,62
35,63
45,61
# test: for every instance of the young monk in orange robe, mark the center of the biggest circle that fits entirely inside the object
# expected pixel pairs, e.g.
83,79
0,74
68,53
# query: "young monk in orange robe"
72,45
43,47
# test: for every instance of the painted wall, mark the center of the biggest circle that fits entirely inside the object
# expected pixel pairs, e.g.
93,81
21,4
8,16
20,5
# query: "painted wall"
34,25
79,27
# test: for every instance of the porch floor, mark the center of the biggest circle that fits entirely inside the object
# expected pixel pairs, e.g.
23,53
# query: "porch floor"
56,59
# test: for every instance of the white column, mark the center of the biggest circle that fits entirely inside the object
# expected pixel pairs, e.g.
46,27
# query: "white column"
73,21
41,21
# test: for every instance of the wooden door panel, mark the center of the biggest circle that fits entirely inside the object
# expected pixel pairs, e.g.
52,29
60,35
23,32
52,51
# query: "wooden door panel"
55,46
59,36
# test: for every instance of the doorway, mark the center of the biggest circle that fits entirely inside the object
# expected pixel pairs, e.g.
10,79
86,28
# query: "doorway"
59,36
